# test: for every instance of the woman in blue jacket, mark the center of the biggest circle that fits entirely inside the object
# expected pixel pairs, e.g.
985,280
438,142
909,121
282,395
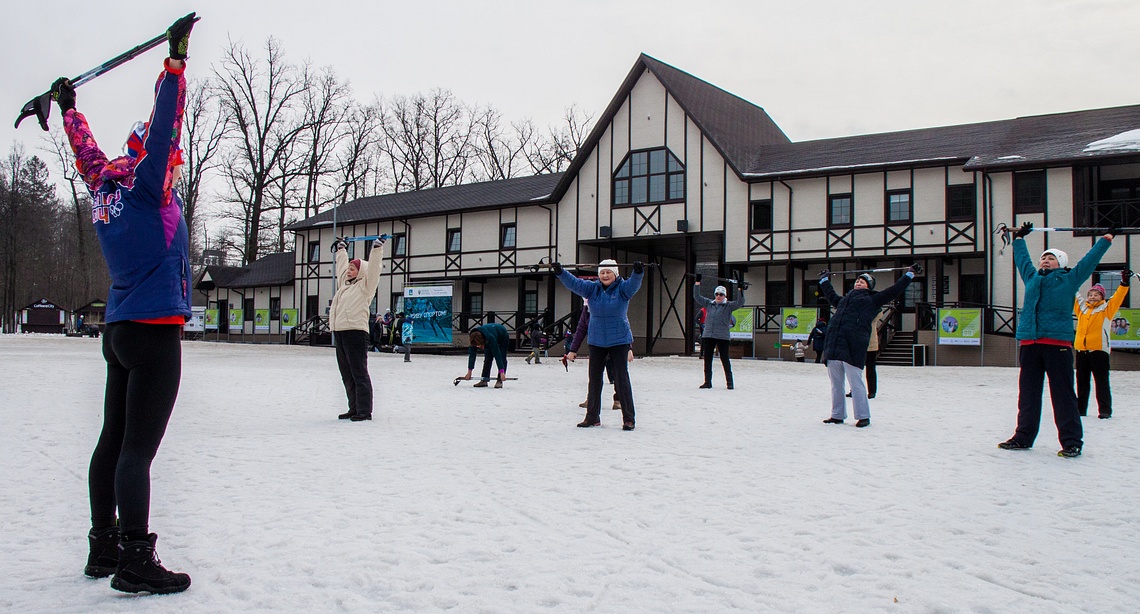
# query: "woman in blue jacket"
610,336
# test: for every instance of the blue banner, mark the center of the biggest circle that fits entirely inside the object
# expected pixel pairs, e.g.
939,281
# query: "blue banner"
428,310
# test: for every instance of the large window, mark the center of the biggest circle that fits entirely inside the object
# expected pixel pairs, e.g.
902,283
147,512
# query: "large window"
454,241
399,245
839,210
898,207
760,216
961,202
647,177
507,239
1029,192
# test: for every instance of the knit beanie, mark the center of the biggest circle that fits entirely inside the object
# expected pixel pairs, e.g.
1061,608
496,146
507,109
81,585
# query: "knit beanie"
869,278
1099,288
356,263
1062,257
721,290
609,265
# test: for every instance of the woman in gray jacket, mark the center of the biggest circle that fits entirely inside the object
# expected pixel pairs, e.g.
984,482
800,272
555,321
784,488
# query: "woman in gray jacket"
718,321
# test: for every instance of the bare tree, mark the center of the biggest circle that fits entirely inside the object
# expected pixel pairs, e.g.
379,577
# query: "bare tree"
327,104
554,153
204,127
86,272
427,140
356,159
260,100
500,154
31,261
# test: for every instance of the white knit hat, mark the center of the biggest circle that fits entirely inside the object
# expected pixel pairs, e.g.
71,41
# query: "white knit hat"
721,290
1062,257
608,265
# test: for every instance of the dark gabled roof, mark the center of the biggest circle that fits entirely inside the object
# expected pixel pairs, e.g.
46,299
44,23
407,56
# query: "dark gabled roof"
736,127
1036,140
534,189
271,270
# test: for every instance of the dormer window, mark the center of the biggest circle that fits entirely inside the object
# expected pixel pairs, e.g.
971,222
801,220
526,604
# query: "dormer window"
649,177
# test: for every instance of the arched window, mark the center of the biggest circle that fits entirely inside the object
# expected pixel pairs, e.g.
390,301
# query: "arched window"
649,177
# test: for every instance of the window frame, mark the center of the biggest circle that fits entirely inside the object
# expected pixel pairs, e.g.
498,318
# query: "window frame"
752,222
514,232
961,217
400,245
314,251
249,305
275,308
452,234
626,175
890,221
831,199
1025,202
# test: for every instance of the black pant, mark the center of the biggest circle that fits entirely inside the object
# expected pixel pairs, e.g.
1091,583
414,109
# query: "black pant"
872,376
818,356
707,343
1093,363
618,359
352,359
144,368
1037,361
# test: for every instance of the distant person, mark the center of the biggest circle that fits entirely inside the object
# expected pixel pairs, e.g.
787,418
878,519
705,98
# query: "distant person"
537,340
356,282
610,336
873,352
140,225
1045,332
848,335
493,340
1092,344
407,336
375,333
816,337
718,328
798,350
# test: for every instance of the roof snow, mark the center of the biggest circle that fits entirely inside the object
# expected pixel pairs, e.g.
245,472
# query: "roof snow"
1129,140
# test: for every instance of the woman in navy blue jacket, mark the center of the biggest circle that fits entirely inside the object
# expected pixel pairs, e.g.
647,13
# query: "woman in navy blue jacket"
610,336
138,219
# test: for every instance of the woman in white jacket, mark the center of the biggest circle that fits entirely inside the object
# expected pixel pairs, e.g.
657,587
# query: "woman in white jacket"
356,282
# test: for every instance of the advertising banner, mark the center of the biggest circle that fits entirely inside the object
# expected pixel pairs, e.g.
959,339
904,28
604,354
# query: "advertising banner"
237,321
211,316
261,320
289,318
428,310
796,322
1124,329
743,327
959,327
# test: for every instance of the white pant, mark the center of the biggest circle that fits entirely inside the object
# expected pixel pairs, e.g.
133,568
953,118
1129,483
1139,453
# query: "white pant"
836,370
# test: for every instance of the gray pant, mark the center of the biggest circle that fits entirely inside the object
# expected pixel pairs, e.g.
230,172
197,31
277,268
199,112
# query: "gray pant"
837,370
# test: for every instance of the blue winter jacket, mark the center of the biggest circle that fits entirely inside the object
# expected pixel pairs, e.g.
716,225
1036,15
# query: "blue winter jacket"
1047,310
609,307
849,332
137,215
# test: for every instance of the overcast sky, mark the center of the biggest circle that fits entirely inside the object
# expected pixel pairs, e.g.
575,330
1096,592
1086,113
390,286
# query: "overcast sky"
821,69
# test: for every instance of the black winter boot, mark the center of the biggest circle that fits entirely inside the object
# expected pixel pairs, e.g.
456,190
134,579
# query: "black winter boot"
140,570
104,557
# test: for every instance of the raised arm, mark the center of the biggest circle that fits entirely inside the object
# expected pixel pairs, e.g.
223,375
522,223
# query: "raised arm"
164,132
375,262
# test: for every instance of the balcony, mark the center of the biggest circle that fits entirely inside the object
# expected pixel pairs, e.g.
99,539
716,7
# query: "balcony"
1117,213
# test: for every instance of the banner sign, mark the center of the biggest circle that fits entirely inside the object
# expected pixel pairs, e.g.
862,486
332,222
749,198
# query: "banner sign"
1124,329
197,321
959,327
261,320
211,316
742,329
237,320
796,322
428,310
289,318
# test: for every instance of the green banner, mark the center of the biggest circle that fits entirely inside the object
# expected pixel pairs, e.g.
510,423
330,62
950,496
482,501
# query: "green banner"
1124,329
743,327
959,327
289,318
261,320
796,322
211,316
236,320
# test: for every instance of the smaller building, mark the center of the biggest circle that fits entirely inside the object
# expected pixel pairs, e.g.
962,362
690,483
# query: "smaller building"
91,315
252,303
43,316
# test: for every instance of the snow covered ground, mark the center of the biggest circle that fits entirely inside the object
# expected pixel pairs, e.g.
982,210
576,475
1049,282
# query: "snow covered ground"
482,500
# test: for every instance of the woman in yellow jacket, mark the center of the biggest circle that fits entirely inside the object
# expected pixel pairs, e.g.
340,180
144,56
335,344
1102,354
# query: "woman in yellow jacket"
1092,346
356,282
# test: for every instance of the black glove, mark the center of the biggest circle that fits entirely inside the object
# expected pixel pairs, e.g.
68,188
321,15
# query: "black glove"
1125,277
1024,231
698,276
63,92
556,267
638,266
179,37
378,243
824,274
917,268
339,244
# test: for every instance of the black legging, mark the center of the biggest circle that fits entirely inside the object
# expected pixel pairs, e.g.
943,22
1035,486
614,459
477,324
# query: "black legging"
707,344
144,367
352,359
1093,363
617,358
872,375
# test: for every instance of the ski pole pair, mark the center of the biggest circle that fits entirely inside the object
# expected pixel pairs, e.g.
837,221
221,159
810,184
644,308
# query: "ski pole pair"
744,285
463,378
916,266
1006,232
360,238
40,106
534,268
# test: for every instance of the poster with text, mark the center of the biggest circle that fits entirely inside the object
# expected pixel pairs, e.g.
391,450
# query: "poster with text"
289,318
428,309
743,327
261,320
796,322
1124,329
236,320
959,327
211,319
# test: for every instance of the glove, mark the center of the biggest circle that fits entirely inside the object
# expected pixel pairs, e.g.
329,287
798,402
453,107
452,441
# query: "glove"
556,267
1024,231
638,267
823,275
916,268
378,243
698,278
1125,277
63,93
339,244
178,35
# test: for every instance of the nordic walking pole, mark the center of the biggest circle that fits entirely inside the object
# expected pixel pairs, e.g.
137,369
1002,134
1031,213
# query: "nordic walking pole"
40,106
916,266
583,265
699,276
460,379
1006,232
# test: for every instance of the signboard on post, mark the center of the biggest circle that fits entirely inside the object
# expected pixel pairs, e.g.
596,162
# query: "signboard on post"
1124,329
743,327
211,317
959,327
428,309
261,320
289,318
796,322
